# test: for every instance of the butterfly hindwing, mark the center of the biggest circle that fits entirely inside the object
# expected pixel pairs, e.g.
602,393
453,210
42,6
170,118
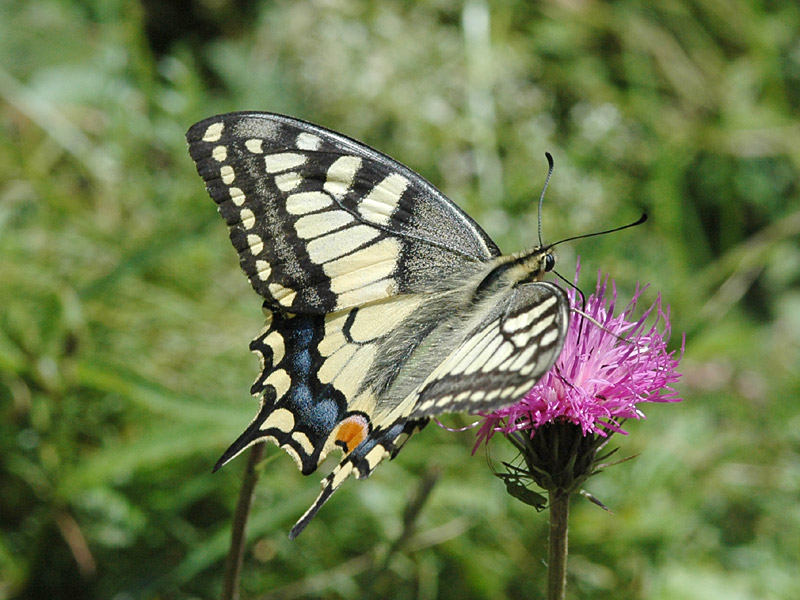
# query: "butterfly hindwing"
315,397
501,358
322,222
313,381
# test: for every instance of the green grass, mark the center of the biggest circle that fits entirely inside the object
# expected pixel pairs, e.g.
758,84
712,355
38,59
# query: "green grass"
124,369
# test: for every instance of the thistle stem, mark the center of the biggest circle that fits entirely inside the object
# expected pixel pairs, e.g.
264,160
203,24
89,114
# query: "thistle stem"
233,563
557,552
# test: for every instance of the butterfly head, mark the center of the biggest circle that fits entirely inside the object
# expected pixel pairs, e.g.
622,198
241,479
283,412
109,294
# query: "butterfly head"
516,269
534,264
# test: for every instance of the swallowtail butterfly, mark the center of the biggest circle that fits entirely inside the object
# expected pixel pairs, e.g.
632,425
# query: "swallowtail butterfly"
385,304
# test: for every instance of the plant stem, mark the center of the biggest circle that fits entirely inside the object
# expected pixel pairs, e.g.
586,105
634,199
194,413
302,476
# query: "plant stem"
557,552
233,563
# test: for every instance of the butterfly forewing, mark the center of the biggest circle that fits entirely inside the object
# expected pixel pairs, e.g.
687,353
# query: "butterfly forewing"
385,303
321,222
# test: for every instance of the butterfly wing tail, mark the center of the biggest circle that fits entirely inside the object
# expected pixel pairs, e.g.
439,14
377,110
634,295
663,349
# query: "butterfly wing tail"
381,443
329,485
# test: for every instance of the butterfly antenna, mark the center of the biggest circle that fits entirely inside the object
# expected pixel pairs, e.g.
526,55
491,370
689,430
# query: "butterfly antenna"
638,221
544,189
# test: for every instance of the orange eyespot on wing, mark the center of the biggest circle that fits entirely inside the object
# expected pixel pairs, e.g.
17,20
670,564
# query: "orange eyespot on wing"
351,432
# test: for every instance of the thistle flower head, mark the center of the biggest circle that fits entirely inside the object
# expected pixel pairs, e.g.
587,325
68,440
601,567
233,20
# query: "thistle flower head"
609,365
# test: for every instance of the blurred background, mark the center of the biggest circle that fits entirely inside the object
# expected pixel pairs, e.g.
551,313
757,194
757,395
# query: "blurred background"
125,321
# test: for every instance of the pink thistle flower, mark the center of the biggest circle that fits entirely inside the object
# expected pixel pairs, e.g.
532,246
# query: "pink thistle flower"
602,374
608,366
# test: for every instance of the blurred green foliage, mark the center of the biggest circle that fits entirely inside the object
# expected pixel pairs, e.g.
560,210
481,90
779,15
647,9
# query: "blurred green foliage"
124,369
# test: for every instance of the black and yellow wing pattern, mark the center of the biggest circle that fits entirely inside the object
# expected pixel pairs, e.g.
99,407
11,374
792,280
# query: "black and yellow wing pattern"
385,303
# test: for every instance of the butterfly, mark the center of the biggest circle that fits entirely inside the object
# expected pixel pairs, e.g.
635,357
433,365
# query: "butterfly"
385,303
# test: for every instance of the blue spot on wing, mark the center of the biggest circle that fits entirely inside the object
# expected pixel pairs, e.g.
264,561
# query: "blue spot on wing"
323,416
317,407
303,328
301,362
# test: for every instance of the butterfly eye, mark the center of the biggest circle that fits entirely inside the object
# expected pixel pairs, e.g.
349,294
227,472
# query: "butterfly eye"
549,262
